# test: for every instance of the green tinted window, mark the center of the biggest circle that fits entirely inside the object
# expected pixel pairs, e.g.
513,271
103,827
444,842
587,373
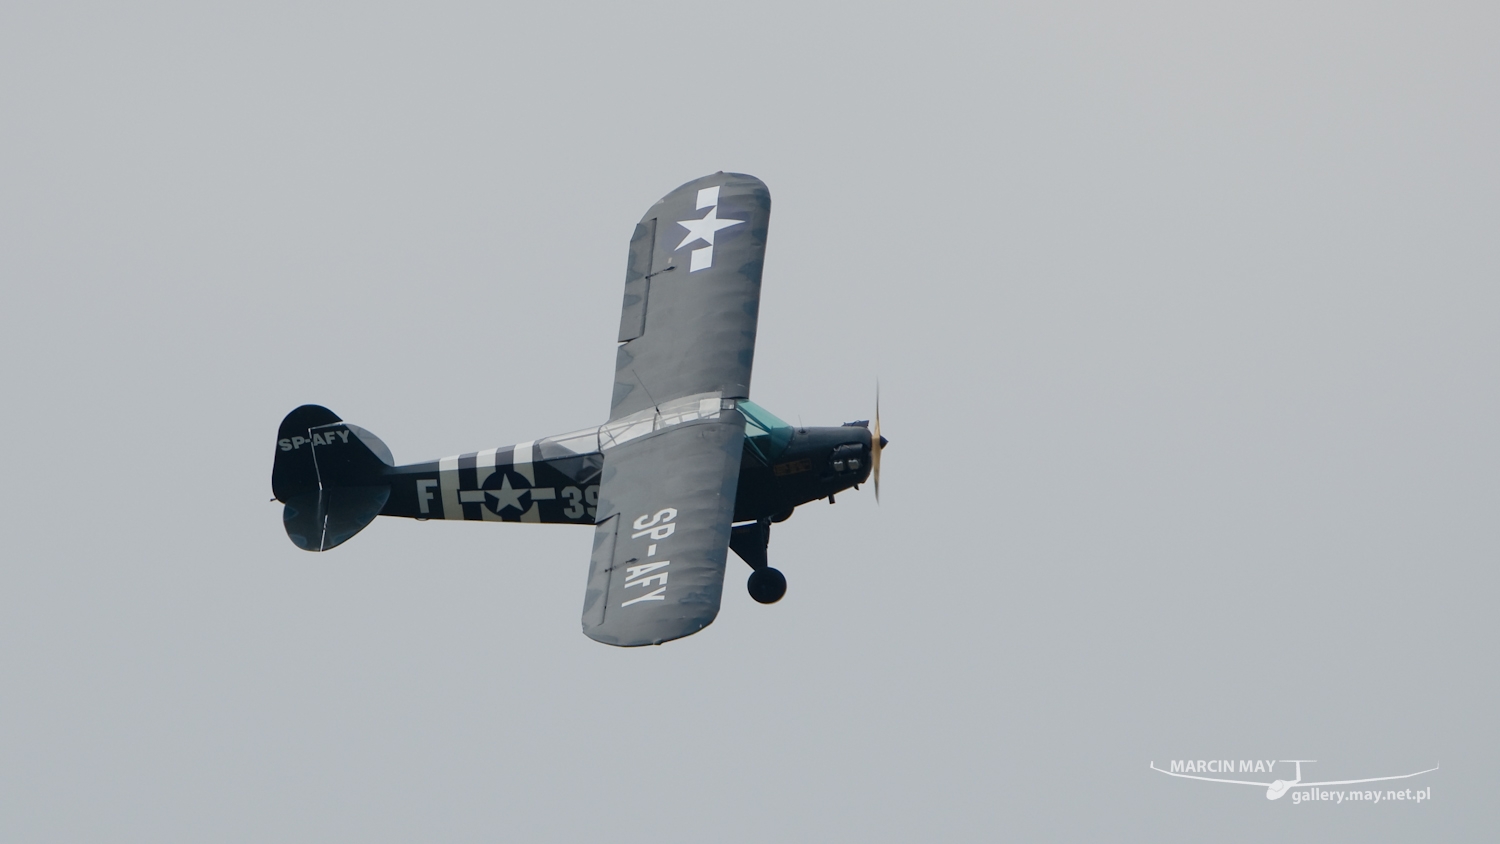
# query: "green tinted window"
766,434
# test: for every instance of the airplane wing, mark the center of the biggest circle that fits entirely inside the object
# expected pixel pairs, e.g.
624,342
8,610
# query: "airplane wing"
1372,779
1210,779
692,294
666,500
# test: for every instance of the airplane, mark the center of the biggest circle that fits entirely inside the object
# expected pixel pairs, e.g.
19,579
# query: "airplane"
685,468
1276,788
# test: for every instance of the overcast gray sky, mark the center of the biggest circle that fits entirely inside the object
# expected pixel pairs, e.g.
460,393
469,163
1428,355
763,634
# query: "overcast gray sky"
1184,320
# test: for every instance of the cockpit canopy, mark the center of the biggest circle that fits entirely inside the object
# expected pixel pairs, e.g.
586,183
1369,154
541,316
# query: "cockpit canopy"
765,433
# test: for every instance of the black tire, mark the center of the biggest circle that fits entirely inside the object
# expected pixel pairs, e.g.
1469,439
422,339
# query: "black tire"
767,585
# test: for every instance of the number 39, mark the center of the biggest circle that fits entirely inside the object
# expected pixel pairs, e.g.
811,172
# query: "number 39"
576,499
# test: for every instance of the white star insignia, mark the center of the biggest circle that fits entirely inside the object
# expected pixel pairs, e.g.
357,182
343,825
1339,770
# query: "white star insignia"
704,229
507,495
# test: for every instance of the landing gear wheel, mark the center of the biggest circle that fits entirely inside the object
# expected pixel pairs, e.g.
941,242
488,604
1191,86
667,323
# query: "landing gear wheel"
766,585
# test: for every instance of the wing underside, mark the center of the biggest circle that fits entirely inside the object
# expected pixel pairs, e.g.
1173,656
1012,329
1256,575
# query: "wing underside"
666,501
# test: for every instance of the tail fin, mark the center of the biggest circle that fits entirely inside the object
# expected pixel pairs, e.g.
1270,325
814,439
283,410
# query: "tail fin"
330,476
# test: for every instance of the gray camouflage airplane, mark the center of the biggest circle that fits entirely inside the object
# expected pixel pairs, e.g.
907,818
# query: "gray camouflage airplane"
686,468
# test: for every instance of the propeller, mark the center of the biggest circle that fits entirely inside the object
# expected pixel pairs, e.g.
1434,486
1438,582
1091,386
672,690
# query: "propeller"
877,443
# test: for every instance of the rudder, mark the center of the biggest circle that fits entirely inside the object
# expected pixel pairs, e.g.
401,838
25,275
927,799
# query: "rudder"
296,470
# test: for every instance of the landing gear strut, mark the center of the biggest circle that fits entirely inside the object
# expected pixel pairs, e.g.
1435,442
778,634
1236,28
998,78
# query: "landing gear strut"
766,584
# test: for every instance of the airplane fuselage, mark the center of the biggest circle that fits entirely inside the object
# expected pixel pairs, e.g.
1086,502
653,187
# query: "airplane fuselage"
556,480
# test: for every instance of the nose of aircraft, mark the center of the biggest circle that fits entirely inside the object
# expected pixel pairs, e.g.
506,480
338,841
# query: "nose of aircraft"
1277,789
877,443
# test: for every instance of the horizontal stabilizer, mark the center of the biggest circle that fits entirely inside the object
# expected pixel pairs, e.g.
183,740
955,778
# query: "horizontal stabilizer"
318,521
348,455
